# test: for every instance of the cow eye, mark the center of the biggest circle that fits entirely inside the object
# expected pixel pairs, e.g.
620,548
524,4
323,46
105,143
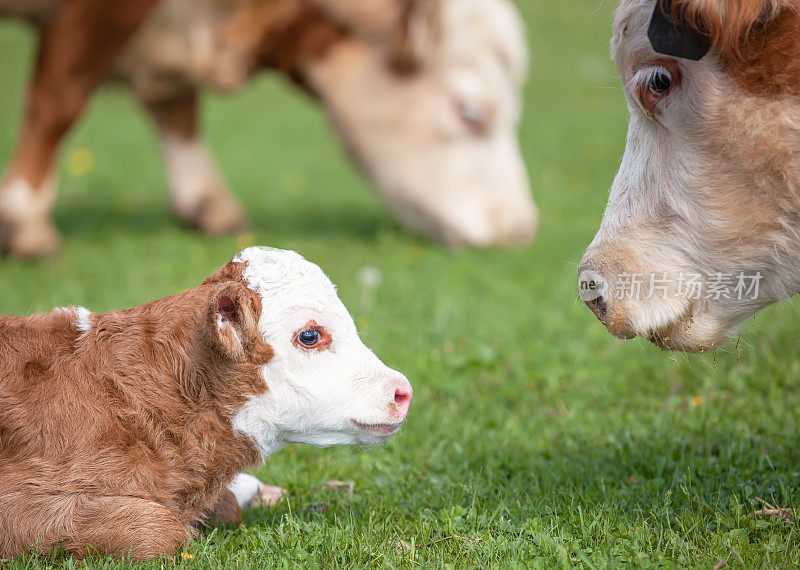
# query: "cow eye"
660,81
475,115
655,83
309,337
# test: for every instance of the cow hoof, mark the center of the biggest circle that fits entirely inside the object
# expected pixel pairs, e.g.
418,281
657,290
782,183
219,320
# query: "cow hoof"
268,496
32,241
216,215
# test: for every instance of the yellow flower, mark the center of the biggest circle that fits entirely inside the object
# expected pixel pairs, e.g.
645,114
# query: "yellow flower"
80,162
697,401
187,555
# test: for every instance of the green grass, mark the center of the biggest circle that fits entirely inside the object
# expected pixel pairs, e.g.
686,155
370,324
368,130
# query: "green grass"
533,433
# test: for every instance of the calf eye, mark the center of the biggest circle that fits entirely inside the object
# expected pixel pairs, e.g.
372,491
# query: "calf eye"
660,82
308,337
313,336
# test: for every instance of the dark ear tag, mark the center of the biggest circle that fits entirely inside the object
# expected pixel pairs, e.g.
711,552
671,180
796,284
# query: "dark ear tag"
672,38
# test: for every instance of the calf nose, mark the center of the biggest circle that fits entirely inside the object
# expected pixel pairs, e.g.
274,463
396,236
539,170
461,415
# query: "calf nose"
402,399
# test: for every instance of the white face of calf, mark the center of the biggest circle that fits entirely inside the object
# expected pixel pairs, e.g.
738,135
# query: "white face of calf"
440,142
324,386
701,227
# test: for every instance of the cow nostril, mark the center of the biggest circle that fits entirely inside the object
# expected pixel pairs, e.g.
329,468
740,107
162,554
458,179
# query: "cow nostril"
599,307
402,399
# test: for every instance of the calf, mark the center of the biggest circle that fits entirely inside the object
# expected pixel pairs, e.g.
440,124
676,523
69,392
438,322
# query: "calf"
425,95
120,432
702,228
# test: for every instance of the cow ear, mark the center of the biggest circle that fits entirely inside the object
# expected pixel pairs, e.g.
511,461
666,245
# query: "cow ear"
411,27
231,271
232,320
373,19
726,24
416,35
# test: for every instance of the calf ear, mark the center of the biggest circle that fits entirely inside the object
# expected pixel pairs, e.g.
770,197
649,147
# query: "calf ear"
232,319
231,271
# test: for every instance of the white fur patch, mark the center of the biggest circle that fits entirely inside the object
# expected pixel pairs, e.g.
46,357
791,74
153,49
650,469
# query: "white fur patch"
22,203
82,317
83,320
244,487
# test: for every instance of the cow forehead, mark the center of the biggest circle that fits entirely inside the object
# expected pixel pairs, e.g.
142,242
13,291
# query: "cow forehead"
285,280
630,29
475,28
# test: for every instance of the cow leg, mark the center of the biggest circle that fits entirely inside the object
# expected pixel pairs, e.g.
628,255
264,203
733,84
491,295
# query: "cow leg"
226,511
250,491
83,525
75,51
243,492
125,526
199,196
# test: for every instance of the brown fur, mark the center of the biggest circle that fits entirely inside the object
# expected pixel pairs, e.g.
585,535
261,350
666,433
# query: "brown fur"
297,34
120,439
758,41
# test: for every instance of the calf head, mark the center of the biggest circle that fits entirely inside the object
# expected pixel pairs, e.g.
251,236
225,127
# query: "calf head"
320,384
702,227
429,110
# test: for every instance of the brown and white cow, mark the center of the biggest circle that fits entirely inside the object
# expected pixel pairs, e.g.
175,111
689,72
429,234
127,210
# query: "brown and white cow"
120,432
425,95
705,209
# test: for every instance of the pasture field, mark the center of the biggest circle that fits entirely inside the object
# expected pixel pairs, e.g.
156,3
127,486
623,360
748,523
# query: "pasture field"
535,439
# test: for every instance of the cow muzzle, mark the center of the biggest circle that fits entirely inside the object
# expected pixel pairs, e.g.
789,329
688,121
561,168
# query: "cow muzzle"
672,308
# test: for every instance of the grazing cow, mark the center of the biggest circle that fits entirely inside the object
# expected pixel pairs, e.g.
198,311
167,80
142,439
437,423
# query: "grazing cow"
425,95
702,228
120,432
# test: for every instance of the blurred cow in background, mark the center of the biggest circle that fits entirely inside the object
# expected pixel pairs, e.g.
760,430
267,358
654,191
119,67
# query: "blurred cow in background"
425,95
702,229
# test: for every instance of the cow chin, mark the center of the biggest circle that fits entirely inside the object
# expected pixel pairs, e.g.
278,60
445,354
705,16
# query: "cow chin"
695,331
670,326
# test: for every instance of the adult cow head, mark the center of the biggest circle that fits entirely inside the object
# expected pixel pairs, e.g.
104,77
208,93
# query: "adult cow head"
702,227
429,109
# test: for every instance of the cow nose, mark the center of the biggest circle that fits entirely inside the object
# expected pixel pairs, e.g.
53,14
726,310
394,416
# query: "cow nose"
402,399
593,289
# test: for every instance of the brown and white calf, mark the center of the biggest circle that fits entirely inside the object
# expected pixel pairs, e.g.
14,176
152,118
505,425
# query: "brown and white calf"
709,188
120,432
425,95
